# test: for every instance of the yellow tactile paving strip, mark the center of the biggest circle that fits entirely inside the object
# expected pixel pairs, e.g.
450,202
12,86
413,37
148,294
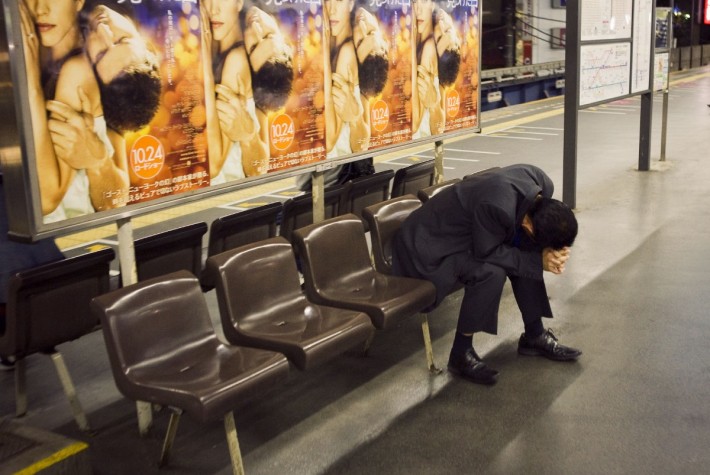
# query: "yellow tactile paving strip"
53,459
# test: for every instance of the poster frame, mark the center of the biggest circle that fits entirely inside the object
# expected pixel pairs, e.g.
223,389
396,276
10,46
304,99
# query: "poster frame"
20,175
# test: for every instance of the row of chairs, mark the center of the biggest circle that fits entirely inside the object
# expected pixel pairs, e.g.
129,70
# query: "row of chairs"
181,248
159,334
163,349
41,297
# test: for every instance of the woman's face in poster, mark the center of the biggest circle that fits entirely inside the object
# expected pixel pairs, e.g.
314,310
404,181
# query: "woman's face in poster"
113,43
339,15
54,19
367,36
264,40
423,10
224,16
445,34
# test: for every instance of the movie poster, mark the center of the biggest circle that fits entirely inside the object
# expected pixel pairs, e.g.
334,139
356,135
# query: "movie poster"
283,40
116,102
382,38
445,76
357,68
458,29
167,156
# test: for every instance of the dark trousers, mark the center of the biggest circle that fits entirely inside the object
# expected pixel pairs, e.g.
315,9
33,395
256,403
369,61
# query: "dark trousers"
483,285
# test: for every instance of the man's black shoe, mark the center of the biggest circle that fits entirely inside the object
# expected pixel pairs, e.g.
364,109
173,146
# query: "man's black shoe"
546,345
469,366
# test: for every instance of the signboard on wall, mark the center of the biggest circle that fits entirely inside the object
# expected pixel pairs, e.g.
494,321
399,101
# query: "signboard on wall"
643,41
142,104
604,73
615,53
605,19
660,71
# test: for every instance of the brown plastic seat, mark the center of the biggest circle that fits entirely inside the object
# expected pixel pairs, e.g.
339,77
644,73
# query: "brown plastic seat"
237,229
338,272
411,179
163,350
298,211
426,193
170,251
262,305
47,306
365,191
244,227
385,219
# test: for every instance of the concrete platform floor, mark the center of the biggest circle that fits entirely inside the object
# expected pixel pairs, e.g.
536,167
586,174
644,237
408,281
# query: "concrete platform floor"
634,298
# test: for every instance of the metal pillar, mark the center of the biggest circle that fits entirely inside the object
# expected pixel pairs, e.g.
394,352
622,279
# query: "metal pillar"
569,165
645,132
129,276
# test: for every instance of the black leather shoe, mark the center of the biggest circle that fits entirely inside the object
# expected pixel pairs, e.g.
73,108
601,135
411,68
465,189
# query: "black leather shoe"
469,366
546,345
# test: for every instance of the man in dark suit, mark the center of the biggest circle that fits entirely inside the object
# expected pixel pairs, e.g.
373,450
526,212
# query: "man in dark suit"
478,232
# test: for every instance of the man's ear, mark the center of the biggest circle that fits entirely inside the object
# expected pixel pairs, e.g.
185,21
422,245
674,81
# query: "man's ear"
527,225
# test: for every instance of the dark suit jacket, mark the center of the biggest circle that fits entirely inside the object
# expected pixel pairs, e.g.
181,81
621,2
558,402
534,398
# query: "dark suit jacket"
469,223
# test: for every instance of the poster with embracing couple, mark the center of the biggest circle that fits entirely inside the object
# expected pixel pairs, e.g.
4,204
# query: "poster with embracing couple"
446,72
116,100
131,101
267,76
368,75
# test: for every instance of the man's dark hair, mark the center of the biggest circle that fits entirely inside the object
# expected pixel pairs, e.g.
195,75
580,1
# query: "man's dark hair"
271,85
554,223
372,74
131,99
449,63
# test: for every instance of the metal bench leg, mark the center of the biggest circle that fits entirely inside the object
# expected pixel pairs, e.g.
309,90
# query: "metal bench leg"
234,453
144,412
70,391
169,436
20,387
427,346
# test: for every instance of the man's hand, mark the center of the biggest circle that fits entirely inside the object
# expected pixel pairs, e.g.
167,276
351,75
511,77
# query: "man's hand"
73,136
426,87
234,120
347,105
553,260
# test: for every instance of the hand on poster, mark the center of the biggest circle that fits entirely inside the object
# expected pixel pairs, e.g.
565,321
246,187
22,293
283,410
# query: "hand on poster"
426,87
234,119
73,136
347,105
